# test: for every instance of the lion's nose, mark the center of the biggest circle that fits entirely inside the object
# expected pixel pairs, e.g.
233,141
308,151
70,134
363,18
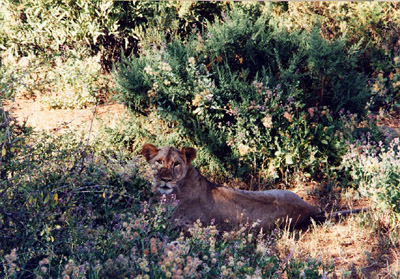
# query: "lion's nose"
166,179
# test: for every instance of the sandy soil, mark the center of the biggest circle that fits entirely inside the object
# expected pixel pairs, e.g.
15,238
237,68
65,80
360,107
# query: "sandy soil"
41,118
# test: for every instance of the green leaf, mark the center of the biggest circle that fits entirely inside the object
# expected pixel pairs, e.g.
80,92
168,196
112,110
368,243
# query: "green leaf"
55,199
289,159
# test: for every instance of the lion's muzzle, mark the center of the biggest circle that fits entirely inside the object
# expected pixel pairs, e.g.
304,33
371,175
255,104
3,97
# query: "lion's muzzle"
164,188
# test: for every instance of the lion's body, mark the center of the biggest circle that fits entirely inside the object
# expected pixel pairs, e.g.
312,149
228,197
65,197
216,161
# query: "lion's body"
199,199
227,207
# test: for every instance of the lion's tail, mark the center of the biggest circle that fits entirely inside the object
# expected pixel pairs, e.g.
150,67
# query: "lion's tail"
323,216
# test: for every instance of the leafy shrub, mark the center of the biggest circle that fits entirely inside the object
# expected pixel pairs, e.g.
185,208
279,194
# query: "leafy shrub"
8,83
12,143
375,172
332,75
55,194
247,104
371,25
73,84
308,268
241,42
326,72
385,86
57,81
202,254
357,20
108,29
85,26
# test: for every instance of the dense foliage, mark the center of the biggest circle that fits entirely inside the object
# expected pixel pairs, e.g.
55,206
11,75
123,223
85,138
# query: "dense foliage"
266,92
260,97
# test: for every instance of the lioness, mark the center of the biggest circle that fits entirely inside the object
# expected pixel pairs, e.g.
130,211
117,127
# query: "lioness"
198,198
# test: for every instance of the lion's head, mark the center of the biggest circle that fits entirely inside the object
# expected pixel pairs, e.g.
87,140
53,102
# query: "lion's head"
169,165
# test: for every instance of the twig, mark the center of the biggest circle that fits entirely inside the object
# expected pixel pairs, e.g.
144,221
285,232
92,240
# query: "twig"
10,215
87,141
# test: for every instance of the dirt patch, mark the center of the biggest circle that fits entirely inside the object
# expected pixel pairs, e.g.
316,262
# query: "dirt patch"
40,118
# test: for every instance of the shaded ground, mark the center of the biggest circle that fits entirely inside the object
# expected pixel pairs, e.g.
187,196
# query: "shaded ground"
357,252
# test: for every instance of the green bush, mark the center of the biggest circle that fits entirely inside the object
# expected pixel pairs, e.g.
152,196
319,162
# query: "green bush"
373,25
326,72
110,29
309,268
57,81
372,22
72,83
249,93
12,143
240,41
57,191
374,170
332,77
45,27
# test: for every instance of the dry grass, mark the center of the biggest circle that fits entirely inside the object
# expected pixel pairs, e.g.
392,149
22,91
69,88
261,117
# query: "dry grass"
363,245
358,246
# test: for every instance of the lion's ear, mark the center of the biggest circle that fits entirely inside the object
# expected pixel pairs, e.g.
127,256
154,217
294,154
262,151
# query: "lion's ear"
189,153
149,151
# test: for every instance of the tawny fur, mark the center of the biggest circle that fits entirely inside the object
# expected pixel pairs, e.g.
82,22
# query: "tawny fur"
227,208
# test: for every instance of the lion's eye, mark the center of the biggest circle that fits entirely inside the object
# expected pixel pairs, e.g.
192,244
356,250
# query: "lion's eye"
159,162
177,164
